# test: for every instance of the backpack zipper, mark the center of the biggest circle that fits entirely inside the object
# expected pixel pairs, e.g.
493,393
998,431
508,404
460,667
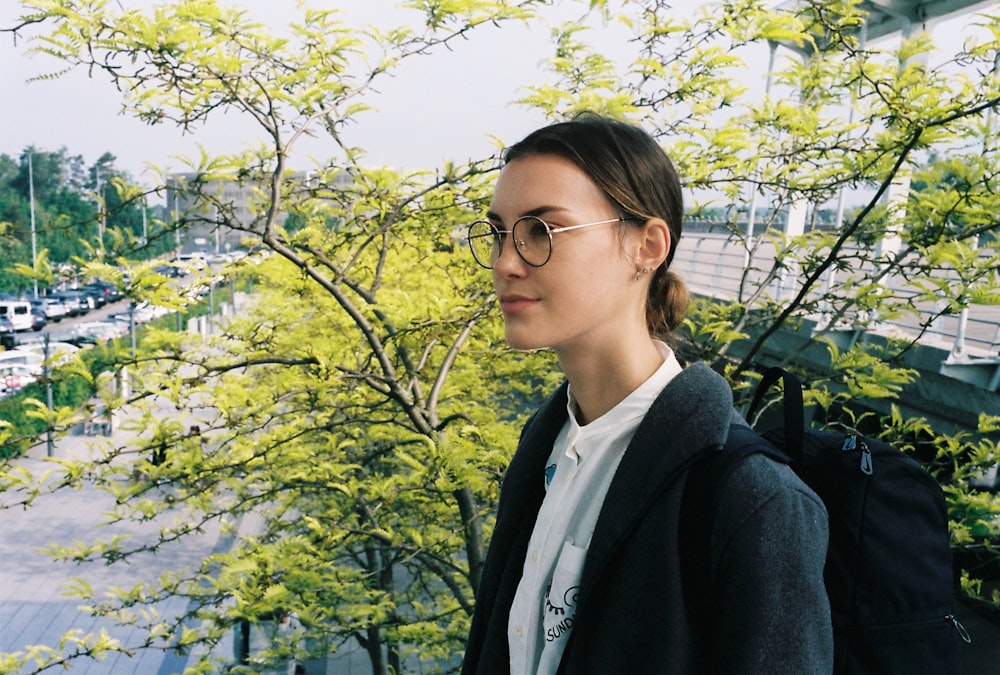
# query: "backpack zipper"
910,625
962,633
851,443
866,459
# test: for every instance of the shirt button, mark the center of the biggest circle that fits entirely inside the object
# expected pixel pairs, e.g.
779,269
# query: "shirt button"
518,631
533,555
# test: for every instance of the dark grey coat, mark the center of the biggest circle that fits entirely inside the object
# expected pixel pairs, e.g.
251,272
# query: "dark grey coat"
634,615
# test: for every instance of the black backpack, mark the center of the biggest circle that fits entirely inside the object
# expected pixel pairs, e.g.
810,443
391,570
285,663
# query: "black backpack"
888,569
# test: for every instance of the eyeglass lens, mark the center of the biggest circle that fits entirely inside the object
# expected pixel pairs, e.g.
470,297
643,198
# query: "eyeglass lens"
531,236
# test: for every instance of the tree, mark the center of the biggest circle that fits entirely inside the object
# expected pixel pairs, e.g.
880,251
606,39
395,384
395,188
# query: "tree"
69,212
370,453
354,411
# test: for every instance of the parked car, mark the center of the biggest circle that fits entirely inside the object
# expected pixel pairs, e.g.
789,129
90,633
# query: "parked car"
52,307
38,319
76,302
77,338
122,320
107,290
86,295
59,353
15,376
195,261
6,333
21,357
171,271
109,326
146,312
18,369
95,296
95,332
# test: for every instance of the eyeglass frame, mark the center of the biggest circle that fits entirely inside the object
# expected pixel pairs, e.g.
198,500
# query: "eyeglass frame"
549,229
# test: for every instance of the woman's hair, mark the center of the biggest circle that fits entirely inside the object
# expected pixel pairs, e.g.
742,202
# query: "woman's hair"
634,172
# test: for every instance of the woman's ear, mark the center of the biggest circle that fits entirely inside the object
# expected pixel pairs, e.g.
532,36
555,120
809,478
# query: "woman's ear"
652,244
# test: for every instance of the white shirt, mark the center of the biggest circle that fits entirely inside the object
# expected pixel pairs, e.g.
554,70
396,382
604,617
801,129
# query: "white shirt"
579,471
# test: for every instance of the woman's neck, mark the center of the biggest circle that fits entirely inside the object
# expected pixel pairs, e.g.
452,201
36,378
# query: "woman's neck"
601,379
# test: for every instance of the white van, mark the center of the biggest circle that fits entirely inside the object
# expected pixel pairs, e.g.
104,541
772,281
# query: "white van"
19,313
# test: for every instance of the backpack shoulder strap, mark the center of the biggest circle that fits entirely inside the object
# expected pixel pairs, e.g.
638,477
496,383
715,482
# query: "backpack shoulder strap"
791,406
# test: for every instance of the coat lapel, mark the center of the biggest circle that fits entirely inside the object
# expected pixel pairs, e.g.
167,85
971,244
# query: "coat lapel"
692,414
523,482
521,496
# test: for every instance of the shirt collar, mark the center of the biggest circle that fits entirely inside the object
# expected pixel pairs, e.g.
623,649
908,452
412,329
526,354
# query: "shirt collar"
633,406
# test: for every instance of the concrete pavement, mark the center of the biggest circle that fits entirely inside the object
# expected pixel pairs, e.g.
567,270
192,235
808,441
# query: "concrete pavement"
34,608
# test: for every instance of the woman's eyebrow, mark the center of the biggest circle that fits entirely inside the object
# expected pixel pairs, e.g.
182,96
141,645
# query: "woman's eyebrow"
536,212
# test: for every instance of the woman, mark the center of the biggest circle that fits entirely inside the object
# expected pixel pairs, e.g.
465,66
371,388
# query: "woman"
584,572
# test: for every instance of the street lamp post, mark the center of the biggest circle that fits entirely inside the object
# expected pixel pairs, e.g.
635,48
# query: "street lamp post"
102,221
34,240
46,372
131,326
177,231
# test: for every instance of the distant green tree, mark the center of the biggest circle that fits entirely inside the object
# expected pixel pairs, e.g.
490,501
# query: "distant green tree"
66,220
72,204
46,169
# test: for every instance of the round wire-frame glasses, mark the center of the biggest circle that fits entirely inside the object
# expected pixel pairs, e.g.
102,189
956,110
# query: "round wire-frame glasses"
532,238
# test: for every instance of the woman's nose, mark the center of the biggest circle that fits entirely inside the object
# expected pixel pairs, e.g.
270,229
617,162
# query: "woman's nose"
509,262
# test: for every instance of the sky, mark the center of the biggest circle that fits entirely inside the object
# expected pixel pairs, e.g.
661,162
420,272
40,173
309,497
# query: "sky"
446,107
442,107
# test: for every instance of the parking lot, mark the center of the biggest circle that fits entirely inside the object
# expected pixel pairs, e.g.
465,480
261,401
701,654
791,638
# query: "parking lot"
25,351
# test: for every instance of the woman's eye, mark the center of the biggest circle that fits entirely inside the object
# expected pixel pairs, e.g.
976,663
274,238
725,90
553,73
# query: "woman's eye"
538,230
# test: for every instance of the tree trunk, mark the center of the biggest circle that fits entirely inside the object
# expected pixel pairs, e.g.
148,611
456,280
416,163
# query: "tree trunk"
473,529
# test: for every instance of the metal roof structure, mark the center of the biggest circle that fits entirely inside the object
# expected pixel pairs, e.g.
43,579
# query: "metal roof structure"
888,17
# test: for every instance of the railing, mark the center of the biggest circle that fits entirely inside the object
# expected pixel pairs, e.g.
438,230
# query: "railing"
718,265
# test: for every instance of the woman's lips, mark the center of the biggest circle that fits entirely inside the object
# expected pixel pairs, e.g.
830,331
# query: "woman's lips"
512,304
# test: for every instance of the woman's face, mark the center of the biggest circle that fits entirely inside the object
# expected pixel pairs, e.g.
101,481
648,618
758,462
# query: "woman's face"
586,291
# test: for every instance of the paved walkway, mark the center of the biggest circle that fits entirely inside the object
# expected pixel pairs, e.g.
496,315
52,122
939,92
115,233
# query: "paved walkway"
34,608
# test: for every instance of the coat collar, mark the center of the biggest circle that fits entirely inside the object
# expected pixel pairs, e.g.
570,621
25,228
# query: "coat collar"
691,415
696,407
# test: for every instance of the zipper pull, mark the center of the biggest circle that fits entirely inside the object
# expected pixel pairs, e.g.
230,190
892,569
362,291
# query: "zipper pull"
850,442
866,459
962,633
